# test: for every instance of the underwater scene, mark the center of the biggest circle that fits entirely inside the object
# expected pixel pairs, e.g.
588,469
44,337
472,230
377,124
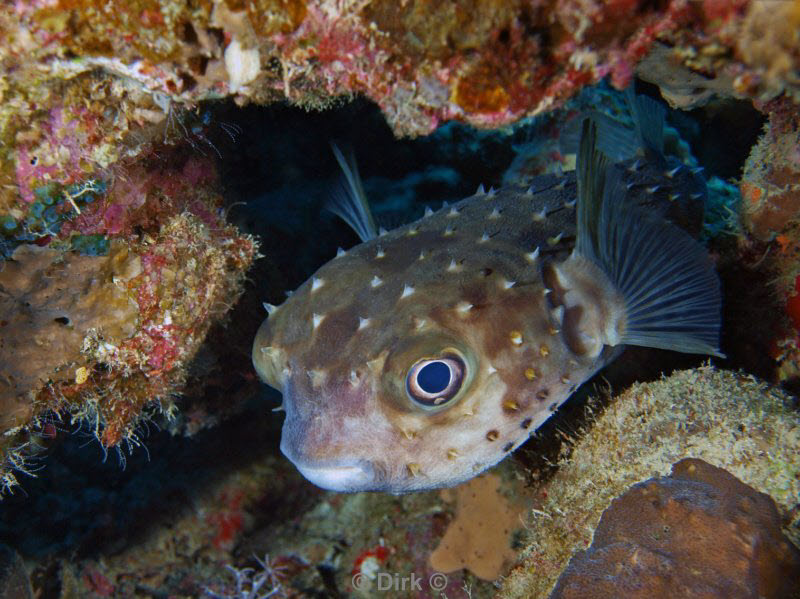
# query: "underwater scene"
387,299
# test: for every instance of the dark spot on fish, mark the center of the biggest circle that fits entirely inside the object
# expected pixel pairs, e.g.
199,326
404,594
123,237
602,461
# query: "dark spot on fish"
486,272
556,296
507,447
492,435
553,406
476,295
526,423
543,394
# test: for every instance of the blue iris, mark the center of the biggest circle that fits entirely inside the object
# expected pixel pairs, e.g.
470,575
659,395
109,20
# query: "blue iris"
434,377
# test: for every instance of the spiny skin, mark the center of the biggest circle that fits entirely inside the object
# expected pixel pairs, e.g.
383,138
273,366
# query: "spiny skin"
471,279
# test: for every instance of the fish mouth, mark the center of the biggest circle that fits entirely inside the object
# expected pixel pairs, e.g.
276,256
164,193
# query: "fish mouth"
341,478
345,476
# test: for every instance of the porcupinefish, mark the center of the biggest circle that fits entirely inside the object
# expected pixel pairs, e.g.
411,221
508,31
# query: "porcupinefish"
425,355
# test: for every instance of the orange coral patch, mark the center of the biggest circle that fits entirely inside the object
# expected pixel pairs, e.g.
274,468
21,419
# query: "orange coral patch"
475,94
751,192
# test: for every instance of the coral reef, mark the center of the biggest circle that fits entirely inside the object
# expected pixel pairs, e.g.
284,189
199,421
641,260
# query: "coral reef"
487,64
52,301
95,97
51,304
770,43
771,178
102,337
113,231
91,177
698,532
479,538
753,52
382,537
771,188
729,420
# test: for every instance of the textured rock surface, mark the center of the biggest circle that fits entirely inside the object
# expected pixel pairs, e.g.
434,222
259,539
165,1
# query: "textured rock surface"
697,533
731,421
771,191
103,339
422,62
771,178
51,302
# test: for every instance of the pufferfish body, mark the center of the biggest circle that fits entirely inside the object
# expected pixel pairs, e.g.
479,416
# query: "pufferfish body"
426,354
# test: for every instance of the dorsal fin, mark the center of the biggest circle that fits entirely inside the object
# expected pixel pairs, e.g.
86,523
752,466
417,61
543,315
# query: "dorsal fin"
591,170
349,202
649,118
615,139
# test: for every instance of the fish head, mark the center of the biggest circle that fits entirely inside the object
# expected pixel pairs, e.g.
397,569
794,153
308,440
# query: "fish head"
415,372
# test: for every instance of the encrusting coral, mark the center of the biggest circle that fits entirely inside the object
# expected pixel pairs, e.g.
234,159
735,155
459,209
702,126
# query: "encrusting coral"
486,63
479,538
52,301
698,532
729,420
771,191
104,338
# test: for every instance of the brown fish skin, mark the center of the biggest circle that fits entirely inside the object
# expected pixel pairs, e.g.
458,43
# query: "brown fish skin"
479,280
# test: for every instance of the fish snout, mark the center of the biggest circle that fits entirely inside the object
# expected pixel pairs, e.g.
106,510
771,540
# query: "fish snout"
337,474
311,448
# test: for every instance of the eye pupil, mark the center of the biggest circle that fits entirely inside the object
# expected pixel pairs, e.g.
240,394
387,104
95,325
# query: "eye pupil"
434,382
434,377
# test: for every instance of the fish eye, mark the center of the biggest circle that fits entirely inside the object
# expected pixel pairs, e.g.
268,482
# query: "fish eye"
432,382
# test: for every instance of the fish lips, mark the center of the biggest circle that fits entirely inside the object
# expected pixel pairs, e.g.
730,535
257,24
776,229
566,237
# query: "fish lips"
340,477
343,474
348,475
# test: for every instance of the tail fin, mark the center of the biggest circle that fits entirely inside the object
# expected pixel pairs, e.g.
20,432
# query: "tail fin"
668,284
349,202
